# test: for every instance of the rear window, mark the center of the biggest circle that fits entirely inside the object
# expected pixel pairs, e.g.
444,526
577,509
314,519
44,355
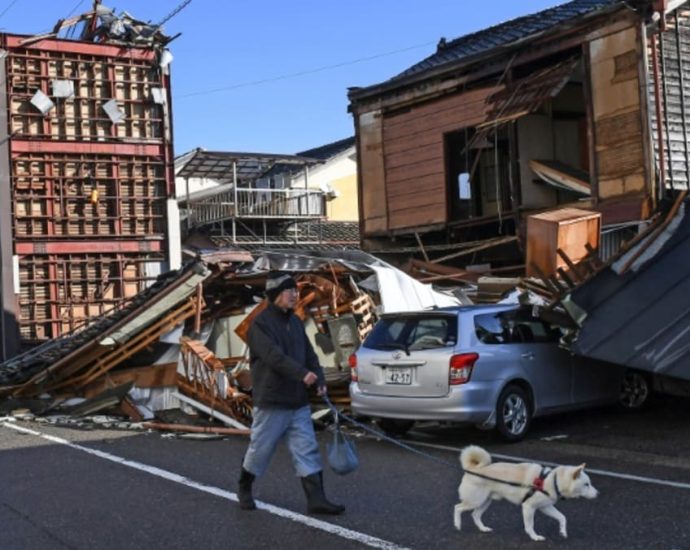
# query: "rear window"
413,332
513,327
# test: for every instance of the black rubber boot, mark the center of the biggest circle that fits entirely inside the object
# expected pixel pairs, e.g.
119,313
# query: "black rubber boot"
316,499
244,495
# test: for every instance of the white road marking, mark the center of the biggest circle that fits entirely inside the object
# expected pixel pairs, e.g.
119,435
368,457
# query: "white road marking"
607,473
330,528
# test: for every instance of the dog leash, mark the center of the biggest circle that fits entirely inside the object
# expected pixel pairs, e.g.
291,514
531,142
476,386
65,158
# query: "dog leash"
536,486
385,437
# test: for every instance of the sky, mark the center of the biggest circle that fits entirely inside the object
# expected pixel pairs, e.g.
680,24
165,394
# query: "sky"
272,76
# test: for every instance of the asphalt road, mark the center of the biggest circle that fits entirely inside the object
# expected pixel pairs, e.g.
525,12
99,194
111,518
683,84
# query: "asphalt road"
66,488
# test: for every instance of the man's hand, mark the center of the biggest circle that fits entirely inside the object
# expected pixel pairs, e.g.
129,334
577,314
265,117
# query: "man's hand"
310,378
322,390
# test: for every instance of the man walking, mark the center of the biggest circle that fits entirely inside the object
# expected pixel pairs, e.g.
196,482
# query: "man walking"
283,367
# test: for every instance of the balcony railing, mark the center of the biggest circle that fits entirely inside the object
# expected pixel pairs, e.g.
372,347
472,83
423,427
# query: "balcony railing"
258,204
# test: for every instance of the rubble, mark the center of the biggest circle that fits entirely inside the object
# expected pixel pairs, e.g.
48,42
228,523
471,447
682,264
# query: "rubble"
181,344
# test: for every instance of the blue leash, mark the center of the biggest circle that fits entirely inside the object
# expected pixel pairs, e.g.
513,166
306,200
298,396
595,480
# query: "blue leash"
385,437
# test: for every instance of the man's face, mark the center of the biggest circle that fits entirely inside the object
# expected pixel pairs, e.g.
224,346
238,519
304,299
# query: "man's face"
287,299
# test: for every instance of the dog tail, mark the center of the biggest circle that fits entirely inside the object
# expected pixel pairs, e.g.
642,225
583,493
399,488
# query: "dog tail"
473,457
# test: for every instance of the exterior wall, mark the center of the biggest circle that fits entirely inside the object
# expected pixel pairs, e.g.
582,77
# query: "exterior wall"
338,174
371,174
618,114
194,185
414,149
403,173
344,207
89,196
673,54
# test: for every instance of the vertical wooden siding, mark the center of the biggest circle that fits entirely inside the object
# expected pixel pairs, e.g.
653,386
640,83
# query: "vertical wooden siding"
415,167
618,116
372,174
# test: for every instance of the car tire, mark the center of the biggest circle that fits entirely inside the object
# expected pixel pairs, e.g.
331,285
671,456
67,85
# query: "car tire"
396,428
513,413
636,390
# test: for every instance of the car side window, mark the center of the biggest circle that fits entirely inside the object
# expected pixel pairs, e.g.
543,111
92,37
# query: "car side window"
492,328
513,327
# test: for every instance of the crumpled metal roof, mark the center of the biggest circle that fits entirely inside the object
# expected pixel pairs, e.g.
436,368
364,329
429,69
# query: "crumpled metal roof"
641,317
218,165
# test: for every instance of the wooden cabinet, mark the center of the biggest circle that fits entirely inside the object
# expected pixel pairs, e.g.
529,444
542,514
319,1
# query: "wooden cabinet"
569,229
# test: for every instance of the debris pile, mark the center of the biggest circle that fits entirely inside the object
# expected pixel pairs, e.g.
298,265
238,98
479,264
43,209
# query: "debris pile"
181,345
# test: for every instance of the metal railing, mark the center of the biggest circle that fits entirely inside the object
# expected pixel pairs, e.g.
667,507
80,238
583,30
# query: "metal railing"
258,204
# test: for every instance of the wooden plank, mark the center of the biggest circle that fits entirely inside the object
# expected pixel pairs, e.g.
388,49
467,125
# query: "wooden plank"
621,160
414,217
405,158
421,168
619,128
398,203
143,377
488,244
372,180
195,429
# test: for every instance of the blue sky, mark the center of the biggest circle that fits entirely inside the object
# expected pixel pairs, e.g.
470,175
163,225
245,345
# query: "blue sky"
249,50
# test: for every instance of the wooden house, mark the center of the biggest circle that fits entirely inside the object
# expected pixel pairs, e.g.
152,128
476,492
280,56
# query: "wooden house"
581,105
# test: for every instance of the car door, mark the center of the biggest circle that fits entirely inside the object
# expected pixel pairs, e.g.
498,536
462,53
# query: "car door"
548,367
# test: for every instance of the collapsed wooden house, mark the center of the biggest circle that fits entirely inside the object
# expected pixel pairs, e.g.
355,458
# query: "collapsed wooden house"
581,105
181,343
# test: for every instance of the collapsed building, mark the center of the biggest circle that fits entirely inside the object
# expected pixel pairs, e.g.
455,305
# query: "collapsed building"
581,106
180,345
87,214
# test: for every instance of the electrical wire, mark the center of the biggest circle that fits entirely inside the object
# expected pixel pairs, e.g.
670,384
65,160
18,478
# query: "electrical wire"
12,3
302,73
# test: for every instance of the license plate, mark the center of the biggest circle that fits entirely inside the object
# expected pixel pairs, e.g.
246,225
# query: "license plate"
398,376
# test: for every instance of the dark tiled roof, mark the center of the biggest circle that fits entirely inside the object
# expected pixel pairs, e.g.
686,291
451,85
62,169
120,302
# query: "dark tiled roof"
504,34
21,368
324,152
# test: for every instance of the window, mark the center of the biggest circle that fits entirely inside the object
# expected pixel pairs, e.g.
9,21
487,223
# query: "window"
513,327
464,186
410,333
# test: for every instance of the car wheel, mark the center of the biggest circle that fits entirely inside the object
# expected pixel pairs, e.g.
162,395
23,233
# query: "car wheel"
636,390
513,413
395,427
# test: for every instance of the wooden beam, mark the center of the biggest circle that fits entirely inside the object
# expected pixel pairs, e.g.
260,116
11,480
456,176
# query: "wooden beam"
489,244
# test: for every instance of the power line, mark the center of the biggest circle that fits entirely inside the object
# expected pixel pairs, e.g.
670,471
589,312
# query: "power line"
173,13
74,8
8,7
302,73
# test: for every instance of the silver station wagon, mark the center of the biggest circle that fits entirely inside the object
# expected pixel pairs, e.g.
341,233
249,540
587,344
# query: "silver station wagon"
494,366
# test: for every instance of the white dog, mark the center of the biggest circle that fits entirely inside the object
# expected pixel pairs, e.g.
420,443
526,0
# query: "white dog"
531,485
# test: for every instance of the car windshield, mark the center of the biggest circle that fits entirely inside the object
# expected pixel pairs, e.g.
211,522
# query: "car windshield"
414,332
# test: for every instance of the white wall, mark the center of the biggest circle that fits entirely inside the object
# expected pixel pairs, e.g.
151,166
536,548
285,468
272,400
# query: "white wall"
340,166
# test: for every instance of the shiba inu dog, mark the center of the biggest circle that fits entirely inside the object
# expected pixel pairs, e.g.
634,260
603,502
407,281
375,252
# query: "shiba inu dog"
530,485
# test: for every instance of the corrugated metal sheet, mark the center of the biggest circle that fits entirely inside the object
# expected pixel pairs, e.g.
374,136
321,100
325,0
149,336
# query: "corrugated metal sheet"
675,88
640,318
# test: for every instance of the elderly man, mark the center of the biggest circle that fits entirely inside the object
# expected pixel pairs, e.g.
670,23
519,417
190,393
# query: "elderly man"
283,367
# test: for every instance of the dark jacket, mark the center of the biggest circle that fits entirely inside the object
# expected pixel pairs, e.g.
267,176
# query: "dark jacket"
281,356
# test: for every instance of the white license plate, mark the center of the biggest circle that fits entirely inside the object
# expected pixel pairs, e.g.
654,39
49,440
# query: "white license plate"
398,376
